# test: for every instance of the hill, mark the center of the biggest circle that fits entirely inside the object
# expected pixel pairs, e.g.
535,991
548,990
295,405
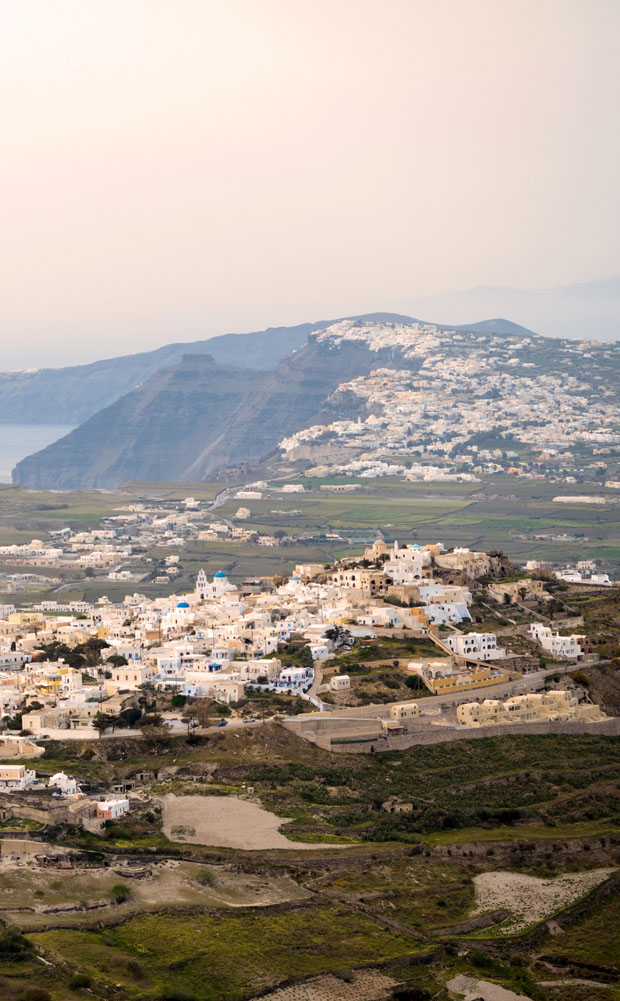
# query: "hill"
497,326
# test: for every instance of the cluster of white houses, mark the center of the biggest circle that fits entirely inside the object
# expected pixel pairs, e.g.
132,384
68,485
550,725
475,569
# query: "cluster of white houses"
415,412
218,640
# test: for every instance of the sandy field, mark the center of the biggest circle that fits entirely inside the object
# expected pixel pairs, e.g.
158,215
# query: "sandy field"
472,989
530,899
225,822
366,985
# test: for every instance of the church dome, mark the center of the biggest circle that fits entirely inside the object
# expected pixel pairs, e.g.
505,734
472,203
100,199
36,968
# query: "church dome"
219,574
183,604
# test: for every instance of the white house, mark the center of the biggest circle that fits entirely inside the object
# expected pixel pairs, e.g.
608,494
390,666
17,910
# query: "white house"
558,646
112,809
16,777
477,646
66,784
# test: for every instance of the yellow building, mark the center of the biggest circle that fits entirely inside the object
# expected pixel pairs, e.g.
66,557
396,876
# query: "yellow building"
535,707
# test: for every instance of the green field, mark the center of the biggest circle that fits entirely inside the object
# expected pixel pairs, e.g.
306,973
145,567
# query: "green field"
224,957
514,511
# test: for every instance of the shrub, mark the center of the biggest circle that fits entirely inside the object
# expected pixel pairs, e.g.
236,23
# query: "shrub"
79,980
346,975
415,682
134,968
13,945
120,893
205,877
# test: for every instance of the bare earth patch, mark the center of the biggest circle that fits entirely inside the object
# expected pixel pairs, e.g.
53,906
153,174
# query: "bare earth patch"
472,989
33,897
226,822
530,899
365,985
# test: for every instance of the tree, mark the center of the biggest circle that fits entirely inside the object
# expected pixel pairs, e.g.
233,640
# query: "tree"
305,657
178,701
103,721
152,719
117,660
202,710
91,650
129,717
415,682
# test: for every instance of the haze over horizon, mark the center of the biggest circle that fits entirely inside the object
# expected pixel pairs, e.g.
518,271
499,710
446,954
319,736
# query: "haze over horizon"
179,172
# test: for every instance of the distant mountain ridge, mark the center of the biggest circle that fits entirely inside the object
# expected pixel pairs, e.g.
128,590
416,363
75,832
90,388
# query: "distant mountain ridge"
583,311
72,394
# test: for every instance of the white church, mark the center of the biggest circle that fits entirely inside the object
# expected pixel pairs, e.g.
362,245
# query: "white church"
220,585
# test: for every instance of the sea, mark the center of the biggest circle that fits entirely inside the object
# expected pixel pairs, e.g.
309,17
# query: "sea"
19,440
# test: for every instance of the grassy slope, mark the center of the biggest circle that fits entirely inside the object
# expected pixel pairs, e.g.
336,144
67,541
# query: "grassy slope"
227,957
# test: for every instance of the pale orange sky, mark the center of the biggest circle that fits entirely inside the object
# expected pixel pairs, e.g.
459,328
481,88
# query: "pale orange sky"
173,169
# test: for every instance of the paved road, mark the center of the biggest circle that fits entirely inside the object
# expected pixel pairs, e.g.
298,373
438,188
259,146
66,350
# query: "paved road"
219,501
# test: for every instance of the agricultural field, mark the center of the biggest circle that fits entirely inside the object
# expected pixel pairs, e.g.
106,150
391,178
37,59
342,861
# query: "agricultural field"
166,917
224,956
498,513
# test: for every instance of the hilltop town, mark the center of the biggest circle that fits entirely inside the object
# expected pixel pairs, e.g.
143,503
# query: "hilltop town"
376,651
462,405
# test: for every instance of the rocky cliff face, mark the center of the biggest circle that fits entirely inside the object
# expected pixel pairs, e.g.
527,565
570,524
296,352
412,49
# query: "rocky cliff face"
191,419
72,394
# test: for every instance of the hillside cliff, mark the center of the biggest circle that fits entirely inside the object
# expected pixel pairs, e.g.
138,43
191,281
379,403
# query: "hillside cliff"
72,394
191,419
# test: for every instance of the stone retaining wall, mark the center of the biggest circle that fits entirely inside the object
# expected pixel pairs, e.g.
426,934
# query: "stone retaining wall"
440,735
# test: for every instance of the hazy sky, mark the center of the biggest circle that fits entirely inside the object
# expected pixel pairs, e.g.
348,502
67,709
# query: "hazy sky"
177,168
